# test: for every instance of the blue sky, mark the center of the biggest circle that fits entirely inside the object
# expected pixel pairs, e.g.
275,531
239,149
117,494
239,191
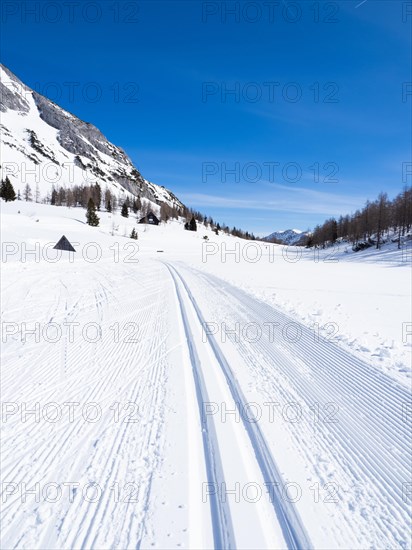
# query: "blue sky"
315,124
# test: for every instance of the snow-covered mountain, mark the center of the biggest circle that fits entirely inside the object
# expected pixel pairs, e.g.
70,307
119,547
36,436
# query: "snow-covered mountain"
42,144
288,236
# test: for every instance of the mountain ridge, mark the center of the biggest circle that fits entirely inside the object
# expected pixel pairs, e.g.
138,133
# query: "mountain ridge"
287,236
43,144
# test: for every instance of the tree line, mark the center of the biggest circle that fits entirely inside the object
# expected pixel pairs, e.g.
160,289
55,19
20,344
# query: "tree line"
370,225
194,216
93,199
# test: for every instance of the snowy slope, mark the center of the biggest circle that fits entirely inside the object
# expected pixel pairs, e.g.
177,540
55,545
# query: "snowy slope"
42,144
186,398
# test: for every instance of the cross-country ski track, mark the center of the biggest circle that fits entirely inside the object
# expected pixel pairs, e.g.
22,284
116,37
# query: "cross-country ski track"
325,438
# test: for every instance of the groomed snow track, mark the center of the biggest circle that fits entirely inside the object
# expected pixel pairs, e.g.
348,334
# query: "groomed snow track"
167,476
293,531
369,444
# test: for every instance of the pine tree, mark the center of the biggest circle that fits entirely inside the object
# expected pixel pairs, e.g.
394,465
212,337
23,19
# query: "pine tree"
3,189
53,196
136,206
61,196
27,193
37,195
334,230
91,216
382,207
7,190
133,234
125,210
69,198
193,224
109,206
97,195
107,199
165,212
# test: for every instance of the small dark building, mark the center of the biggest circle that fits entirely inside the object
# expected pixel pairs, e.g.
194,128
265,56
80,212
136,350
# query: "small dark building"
64,244
150,218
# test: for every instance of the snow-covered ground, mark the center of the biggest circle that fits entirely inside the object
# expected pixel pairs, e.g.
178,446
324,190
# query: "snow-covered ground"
195,394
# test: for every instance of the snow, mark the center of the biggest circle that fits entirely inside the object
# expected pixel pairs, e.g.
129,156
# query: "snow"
211,362
24,165
294,231
286,236
349,295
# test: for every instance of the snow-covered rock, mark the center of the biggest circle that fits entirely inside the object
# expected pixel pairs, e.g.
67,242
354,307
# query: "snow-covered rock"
42,144
287,236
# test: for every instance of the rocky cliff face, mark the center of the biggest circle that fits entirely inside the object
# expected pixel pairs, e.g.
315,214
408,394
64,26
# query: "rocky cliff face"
12,92
42,144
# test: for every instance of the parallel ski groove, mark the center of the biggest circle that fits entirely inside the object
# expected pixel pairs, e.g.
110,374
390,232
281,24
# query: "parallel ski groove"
292,527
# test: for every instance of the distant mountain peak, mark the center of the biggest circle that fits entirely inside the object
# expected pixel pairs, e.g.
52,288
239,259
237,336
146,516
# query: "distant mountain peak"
286,236
297,231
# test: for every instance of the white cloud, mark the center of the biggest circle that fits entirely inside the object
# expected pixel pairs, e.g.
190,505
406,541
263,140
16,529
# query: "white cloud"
296,200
